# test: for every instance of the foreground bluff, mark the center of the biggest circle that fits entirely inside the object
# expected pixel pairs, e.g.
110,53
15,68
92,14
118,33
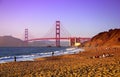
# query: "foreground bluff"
107,38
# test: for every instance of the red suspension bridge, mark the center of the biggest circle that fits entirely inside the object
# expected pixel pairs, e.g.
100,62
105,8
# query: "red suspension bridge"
58,36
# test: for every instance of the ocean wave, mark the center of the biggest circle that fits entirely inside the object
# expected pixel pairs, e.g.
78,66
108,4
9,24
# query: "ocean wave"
32,56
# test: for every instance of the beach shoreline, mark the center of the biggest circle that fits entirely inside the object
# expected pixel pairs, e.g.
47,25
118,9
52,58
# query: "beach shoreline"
79,64
32,56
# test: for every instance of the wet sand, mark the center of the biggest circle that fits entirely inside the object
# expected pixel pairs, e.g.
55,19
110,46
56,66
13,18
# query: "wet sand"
90,63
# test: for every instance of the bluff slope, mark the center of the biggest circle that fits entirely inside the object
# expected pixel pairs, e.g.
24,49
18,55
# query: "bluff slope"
107,38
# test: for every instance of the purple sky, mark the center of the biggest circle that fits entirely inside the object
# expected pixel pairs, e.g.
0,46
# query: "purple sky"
83,18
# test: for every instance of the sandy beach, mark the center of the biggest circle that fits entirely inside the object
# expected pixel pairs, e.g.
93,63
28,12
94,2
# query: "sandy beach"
94,62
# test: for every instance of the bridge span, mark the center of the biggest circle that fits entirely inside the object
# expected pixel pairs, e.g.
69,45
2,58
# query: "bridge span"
57,38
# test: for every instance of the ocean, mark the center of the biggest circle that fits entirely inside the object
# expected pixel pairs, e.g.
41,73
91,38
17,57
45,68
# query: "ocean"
7,54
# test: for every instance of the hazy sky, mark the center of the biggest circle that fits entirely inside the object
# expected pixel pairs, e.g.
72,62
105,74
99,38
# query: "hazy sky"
83,18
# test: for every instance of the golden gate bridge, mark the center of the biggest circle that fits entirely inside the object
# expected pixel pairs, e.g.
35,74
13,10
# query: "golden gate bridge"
57,37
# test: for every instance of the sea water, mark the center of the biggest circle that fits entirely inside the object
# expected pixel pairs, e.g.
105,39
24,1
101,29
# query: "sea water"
7,54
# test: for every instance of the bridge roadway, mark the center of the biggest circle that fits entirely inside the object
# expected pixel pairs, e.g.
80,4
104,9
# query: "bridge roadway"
64,38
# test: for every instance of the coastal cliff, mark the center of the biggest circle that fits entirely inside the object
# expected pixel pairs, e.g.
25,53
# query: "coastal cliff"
107,38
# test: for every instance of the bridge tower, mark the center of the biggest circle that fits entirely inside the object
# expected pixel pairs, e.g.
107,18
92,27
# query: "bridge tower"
72,41
57,33
26,37
78,40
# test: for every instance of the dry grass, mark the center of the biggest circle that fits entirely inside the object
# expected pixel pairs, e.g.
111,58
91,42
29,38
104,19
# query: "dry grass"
77,65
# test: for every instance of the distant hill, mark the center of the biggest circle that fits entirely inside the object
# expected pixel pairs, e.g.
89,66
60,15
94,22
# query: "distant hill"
9,41
107,38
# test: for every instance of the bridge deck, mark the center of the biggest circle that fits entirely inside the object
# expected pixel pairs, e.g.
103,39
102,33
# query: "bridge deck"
65,38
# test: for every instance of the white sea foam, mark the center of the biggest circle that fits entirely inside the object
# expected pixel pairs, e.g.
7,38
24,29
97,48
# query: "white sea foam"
32,56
